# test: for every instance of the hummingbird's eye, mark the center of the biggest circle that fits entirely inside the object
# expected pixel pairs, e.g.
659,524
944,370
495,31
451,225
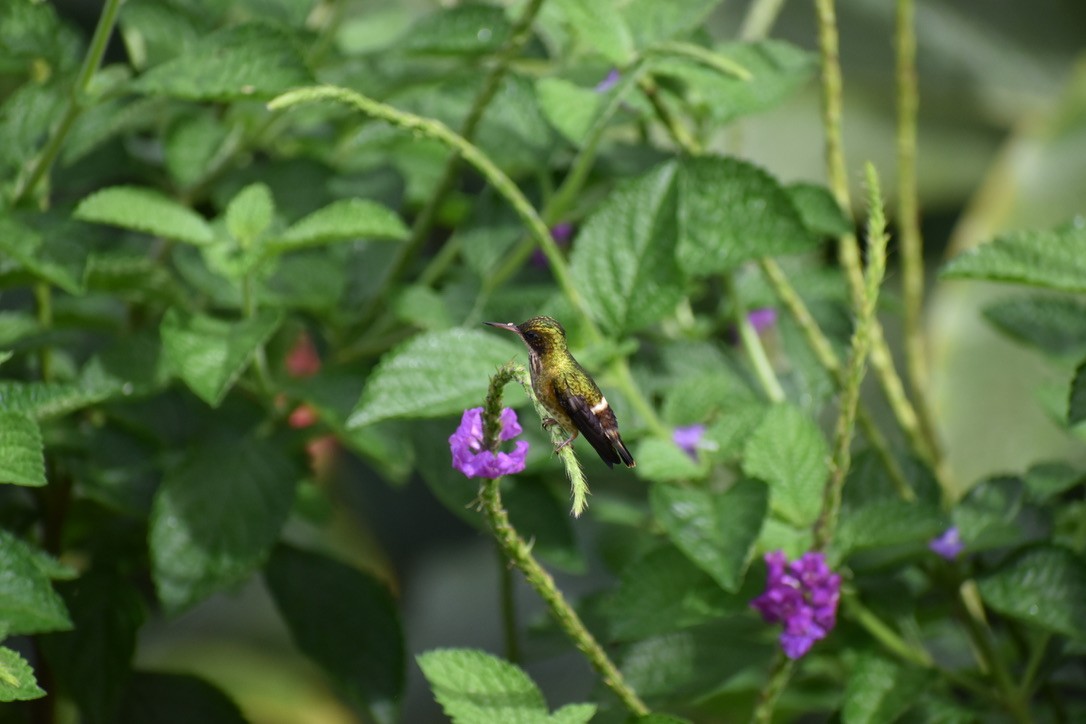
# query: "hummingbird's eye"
531,337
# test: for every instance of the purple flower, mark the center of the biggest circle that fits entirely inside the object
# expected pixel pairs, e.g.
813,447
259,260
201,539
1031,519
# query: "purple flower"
468,455
948,545
762,319
802,595
609,82
688,437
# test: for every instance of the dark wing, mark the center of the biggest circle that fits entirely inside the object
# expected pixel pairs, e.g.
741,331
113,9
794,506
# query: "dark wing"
591,426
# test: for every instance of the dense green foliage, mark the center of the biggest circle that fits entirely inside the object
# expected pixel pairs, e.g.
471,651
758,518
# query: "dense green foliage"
255,225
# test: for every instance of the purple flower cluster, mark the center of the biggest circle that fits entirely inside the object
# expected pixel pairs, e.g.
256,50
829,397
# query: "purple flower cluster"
948,545
468,455
802,595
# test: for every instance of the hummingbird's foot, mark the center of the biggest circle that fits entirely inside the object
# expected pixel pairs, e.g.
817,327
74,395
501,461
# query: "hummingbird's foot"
549,422
565,443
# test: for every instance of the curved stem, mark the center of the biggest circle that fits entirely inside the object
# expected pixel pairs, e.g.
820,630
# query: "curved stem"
74,109
519,552
424,222
496,178
759,19
752,343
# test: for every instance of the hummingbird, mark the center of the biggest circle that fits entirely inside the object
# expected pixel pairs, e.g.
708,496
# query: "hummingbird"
565,389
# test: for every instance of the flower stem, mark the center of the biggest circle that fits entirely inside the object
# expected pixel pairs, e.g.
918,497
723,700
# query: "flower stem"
508,610
861,346
779,675
823,350
912,243
424,222
471,153
752,343
519,552
26,186
848,248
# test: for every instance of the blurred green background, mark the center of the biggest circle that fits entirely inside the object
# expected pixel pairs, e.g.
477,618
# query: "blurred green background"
1002,142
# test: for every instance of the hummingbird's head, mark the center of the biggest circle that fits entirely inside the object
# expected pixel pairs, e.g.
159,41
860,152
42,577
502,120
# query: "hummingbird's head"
542,334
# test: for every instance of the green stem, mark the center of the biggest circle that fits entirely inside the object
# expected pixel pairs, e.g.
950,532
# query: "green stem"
1036,657
779,675
519,552
682,137
469,152
861,345
884,634
26,186
562,200
827,357
981,638
501,183
912,243
759,19
424,222
508,610
752,343
43,300
848,248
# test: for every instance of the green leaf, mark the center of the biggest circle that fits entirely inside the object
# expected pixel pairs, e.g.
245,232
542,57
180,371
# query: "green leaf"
28,603
818,209
17,682
573,714
1054,325
995,514
624,258
788,452
176,699
474,687
432,375
884,523
250,213
92,661
568,107
46,400
651,21
468,29
598,24
15,326
210,354
353,634
730,212
1055,259
1048,480
716,530
191,147
663,461
141,209
1076,403
343,220
778,68
217,515
250,61
54,258
1044,586
663,591
881,690
22,460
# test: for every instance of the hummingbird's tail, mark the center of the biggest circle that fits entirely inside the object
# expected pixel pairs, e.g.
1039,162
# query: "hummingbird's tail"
623,453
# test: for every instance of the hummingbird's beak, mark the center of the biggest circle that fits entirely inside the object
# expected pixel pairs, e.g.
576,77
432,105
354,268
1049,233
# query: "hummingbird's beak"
504,325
